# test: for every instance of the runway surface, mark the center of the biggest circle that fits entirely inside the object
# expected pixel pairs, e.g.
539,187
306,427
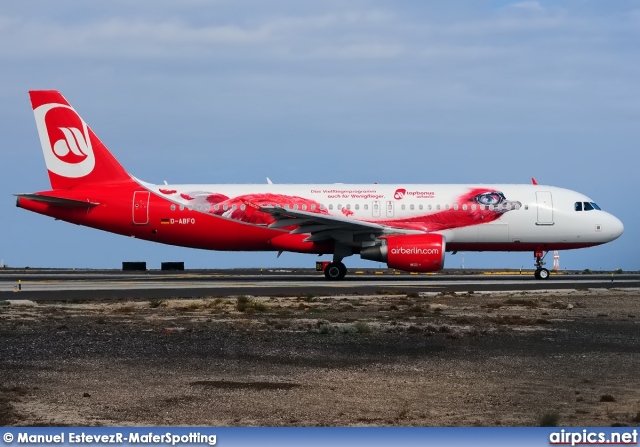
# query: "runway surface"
84,285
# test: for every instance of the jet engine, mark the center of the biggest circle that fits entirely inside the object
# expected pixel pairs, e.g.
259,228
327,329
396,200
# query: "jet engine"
412,253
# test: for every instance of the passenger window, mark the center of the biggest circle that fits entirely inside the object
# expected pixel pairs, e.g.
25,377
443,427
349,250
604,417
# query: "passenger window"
304,207
577,206
375,207
411,207
313,207
243,207
225,207
481,207
321,206
357,207
429,207
339,207
234,207
295,207
330,206
455,207
526,207
587,206
438,206
349,206
446,207
402,206
215,207
420,207
473,207
490,207
366,207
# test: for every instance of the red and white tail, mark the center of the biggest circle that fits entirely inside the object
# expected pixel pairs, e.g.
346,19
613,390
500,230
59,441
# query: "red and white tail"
73,153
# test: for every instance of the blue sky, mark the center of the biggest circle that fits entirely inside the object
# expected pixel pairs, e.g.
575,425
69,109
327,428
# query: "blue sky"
360,91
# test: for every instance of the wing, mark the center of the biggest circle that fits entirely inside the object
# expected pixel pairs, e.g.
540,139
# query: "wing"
322,227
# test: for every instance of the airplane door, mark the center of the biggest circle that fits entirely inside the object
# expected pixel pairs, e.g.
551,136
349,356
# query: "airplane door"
141,207
389,208
375,209
545,208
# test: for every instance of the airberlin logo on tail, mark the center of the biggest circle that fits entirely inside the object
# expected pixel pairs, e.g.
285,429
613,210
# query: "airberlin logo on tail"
415,251
73,147
65,140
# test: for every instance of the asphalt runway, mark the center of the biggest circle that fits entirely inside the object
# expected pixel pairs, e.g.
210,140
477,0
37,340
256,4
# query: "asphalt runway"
115,284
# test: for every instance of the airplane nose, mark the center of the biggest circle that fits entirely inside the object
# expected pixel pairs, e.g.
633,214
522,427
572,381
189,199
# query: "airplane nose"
614,227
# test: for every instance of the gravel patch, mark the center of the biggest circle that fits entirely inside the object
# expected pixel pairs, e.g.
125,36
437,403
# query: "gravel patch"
379,360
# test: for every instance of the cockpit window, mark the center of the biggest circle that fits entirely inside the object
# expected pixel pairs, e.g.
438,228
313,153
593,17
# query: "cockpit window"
585,206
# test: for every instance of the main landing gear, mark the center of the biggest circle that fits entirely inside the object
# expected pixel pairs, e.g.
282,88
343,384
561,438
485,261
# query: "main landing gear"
541,272
335,271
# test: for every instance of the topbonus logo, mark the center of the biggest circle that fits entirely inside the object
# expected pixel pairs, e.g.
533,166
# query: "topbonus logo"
65,141
415,251
399,194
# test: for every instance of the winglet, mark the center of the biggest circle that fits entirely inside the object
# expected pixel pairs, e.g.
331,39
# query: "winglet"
533,181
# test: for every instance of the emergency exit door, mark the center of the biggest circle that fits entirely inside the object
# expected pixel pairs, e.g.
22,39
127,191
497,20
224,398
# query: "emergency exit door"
389,208
375,208
141,207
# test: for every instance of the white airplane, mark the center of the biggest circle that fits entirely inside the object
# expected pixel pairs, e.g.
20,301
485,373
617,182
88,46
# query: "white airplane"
408,227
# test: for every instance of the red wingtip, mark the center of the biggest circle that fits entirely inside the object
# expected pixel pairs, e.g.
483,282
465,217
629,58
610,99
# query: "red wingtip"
533,181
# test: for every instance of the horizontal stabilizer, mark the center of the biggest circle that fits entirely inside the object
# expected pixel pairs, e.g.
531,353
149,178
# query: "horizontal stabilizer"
58,201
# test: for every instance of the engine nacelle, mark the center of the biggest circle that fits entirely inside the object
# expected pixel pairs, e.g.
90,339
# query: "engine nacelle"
412,253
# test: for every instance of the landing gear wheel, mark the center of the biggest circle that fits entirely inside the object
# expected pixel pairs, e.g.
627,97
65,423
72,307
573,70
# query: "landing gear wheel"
343,270
335,271
542,274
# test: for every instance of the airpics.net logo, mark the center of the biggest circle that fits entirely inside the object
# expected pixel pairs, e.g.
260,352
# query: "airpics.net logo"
415,251
65,140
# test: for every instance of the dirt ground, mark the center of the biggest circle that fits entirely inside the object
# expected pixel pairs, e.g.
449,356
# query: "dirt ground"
473,359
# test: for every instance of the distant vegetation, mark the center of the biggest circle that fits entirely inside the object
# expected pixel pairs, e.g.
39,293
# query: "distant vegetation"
249,305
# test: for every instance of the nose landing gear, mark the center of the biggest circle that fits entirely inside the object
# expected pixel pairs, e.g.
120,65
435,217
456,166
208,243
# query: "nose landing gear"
541,272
